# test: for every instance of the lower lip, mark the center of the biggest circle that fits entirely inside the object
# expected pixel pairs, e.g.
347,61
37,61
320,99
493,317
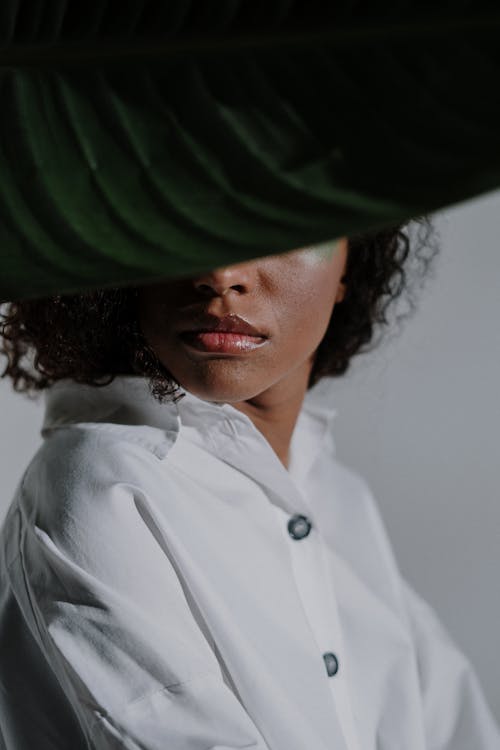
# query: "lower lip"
223,343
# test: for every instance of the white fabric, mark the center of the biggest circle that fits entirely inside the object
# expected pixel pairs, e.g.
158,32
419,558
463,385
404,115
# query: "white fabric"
152,597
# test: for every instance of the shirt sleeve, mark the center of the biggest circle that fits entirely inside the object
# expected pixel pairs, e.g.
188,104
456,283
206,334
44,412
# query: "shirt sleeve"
112,614
456,714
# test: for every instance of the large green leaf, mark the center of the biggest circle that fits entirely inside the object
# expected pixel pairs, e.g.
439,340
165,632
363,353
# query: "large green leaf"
141,140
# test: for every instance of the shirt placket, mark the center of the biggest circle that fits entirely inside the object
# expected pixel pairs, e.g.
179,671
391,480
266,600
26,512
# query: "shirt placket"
315,586
308,558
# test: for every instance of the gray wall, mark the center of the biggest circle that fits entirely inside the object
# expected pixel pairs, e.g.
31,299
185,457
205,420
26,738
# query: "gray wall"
419,418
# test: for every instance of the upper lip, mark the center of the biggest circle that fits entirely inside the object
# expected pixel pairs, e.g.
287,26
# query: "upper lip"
229,323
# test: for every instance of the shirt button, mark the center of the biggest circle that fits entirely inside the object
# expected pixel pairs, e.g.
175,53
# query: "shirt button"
299,526
332,663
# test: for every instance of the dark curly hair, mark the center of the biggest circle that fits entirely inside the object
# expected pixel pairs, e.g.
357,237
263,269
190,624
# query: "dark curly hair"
93,336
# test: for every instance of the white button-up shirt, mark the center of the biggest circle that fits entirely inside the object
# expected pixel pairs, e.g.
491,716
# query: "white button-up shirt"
157,592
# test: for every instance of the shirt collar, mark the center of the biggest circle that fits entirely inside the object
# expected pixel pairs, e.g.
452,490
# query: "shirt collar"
127,404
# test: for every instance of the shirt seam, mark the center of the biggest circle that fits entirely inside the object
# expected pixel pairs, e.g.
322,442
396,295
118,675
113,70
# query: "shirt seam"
152,446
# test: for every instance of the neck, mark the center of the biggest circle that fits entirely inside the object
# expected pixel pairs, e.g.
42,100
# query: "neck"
275,411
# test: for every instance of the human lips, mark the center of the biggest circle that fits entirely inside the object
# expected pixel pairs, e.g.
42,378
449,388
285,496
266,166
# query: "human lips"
230,334
222,342
232,323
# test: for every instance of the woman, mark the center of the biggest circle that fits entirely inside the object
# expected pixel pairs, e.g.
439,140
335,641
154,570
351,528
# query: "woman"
185,563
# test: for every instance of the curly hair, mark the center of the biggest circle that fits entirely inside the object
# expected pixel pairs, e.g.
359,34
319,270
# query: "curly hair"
93,336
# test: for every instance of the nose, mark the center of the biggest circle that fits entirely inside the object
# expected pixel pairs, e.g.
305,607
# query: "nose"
240,278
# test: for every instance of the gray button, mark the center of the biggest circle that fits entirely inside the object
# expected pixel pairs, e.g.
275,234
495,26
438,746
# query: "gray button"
332,663
299,526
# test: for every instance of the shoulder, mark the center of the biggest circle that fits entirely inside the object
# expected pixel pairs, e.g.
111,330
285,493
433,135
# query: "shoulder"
83,458
85,482
88,553
91,453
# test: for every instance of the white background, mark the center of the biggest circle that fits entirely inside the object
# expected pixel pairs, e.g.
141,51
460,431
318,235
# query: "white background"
419,418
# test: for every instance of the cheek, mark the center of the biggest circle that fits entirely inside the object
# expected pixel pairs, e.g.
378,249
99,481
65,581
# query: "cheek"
315,288
307,311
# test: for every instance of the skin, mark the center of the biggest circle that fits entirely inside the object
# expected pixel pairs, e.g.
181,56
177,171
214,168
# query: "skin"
290,297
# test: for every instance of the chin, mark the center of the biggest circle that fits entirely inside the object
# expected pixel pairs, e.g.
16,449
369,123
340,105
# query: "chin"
223,393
